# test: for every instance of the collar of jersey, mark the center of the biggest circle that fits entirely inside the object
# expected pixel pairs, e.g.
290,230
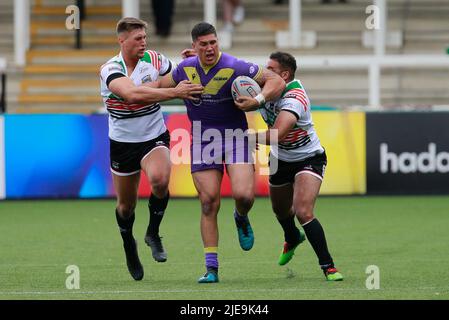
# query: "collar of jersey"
122,62
206,69
294,84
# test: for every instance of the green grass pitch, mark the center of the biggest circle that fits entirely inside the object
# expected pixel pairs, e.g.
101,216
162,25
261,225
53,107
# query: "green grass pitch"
406,237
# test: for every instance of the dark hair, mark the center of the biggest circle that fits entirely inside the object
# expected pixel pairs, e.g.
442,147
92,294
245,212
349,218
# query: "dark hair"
286,61
202,29
129,24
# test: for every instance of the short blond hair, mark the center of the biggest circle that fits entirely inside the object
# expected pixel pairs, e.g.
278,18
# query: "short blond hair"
129,24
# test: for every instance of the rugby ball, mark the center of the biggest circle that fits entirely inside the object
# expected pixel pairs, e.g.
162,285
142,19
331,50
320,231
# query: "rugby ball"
244,86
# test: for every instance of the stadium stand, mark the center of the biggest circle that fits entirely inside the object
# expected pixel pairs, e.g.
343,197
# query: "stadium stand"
59,78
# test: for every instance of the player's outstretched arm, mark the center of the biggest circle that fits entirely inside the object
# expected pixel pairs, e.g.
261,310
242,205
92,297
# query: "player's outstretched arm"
167,81
272,87
126,89
152,84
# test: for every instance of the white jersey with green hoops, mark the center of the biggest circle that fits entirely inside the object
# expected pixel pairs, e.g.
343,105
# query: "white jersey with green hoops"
302,141
133,122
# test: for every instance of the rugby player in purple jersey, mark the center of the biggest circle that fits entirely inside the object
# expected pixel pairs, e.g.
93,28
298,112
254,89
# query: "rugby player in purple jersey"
218,135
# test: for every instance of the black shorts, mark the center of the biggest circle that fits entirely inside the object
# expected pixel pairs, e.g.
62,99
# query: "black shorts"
287,171
126,156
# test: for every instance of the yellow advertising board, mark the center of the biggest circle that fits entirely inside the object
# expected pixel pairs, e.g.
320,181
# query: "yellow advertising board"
343,136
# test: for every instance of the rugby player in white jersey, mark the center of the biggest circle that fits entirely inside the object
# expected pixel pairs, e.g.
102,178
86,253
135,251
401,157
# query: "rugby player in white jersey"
139,139
296,182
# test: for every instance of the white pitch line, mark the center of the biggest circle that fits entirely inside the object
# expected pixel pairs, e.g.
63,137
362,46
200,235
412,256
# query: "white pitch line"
73,292
225,262
235,261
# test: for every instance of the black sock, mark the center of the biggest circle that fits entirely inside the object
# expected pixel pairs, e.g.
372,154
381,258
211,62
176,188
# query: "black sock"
157,209
125,226
239,217
291,232
315,234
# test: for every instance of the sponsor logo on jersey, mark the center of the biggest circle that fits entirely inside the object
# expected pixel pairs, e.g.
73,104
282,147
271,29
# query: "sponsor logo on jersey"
144,69
252,69
147,78
115,68
221,78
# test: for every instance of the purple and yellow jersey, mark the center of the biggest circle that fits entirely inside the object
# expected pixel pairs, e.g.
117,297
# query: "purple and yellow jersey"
216,107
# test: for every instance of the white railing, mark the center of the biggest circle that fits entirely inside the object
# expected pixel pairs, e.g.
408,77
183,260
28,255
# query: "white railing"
21,30
374,64
2,64
210,11
295,37
381,33
131,8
